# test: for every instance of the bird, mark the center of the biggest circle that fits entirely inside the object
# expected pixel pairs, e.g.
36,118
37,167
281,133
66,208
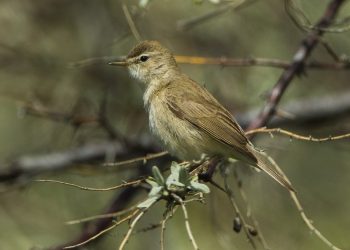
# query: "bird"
186,117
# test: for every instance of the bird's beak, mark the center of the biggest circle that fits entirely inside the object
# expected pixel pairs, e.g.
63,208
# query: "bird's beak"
119,62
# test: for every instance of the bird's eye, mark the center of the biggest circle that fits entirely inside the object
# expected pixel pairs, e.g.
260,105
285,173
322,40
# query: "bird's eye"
144,58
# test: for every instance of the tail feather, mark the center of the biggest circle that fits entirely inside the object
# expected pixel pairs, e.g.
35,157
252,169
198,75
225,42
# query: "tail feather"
269,166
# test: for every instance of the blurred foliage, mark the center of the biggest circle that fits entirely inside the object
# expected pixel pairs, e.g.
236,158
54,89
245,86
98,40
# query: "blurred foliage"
40,38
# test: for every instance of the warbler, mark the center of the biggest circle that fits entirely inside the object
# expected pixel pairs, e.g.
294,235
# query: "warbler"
186,117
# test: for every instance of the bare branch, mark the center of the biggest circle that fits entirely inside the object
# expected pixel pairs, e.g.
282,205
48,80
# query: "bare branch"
296,136
101,216
239,215
187,223
297,66
303,215
249,211
131,228
103,231
27,166
130,183
143,159
189,23
265,62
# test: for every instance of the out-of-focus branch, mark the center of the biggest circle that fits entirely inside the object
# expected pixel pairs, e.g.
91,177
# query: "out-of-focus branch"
309,110
297,65
119,203
186,24
27,166
316,109
265,62
226,62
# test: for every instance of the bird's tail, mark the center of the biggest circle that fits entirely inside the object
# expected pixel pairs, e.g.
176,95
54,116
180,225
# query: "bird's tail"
268,165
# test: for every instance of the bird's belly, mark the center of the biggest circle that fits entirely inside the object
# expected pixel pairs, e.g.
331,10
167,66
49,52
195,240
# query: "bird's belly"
179,136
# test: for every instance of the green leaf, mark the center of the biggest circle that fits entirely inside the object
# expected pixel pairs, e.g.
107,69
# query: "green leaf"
155,191
174,174
152,182
158,175
149,202
200,187
184,177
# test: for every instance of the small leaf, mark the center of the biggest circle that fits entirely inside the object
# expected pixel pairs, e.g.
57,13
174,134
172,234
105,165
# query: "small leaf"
149,202
158,175
175,168
200,187
152,182
184,176
174,174
155,191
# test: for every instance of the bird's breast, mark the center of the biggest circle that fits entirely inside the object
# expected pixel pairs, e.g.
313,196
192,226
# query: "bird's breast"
179,137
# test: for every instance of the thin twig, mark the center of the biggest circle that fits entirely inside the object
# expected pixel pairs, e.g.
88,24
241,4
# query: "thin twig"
187,223
229,193
249,211
137,159
297,66
131,183
104,230
131,228
162,231
149,228
101,216
300,19
303,215
186,24
131,23
296,136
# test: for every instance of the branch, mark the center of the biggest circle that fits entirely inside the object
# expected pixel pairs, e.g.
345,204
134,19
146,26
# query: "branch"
297,65
296,136
186,24
131,23
265,62
117,204
309,110
27,166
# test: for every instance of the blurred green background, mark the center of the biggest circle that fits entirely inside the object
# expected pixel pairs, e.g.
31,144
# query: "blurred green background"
38,41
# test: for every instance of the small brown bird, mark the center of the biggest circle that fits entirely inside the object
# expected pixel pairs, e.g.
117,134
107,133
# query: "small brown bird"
185,116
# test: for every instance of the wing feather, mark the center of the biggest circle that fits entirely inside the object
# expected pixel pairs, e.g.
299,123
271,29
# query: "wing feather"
196,105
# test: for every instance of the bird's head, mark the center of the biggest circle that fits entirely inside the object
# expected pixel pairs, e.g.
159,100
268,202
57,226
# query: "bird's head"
148,60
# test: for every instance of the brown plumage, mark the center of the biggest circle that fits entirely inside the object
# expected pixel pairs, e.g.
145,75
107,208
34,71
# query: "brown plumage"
186,117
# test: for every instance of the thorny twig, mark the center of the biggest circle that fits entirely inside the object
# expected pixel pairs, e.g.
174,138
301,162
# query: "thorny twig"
296,136
297,66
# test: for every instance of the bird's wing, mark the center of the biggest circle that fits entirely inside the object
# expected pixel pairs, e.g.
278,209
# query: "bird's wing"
197,106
